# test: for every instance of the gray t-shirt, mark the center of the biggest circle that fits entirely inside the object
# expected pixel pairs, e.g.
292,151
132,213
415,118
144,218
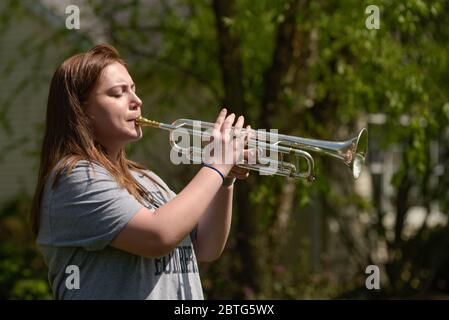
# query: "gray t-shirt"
78,221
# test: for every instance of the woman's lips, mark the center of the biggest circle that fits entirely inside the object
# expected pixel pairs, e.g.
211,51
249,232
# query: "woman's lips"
133,119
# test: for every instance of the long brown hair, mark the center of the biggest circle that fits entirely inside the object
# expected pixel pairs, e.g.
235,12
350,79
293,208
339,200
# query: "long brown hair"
69,135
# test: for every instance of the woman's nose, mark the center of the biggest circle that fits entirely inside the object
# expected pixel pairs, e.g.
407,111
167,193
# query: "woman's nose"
136,102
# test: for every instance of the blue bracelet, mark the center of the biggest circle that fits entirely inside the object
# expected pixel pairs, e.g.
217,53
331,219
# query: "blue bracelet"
221,174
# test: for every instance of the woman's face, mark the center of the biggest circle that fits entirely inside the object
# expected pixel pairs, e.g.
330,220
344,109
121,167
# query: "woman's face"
113,106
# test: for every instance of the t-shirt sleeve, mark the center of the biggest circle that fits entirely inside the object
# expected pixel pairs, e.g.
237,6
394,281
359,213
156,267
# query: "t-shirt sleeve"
85,209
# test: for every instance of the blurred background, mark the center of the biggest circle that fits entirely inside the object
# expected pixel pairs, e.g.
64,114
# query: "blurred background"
306,68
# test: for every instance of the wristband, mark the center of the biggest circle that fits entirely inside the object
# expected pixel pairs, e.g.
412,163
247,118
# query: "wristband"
218,171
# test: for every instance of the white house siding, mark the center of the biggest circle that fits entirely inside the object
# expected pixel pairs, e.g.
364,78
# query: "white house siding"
26,109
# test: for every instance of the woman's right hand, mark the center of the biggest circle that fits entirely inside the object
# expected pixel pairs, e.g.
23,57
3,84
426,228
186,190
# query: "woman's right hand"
227,142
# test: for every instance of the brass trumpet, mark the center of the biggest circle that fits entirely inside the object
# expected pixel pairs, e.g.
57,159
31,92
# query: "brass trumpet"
352,152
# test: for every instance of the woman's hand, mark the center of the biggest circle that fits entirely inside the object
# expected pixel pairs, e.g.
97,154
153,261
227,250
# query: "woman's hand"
238,172
228,144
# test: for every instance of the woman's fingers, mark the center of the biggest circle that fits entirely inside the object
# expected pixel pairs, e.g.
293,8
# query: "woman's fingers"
239,124
227,125
242,176
220,119
250,154
229,121
230,136
238,170
240,173
246,136
239,140
249,133
216,131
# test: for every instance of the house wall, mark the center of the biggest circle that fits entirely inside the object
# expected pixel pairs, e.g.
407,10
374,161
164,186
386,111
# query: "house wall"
26,73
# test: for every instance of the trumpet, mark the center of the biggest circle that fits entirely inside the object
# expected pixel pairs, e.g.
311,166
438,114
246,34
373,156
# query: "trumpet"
351,152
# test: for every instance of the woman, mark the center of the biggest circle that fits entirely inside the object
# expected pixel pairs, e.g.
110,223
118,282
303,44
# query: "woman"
107,227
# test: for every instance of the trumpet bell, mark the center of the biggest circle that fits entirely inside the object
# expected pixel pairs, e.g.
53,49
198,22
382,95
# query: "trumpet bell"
361,145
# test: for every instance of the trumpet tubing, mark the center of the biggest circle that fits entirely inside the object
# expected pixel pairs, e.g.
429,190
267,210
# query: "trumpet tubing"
351,152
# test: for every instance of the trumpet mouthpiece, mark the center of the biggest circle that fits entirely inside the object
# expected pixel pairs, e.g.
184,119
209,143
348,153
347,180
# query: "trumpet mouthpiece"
141,121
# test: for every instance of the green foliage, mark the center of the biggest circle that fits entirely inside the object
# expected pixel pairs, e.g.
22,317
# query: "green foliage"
23,274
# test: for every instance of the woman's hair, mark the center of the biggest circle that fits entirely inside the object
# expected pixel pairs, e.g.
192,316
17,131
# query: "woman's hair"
69,135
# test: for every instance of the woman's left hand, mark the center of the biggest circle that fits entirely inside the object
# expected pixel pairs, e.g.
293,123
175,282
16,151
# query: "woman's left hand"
239,173
235,173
